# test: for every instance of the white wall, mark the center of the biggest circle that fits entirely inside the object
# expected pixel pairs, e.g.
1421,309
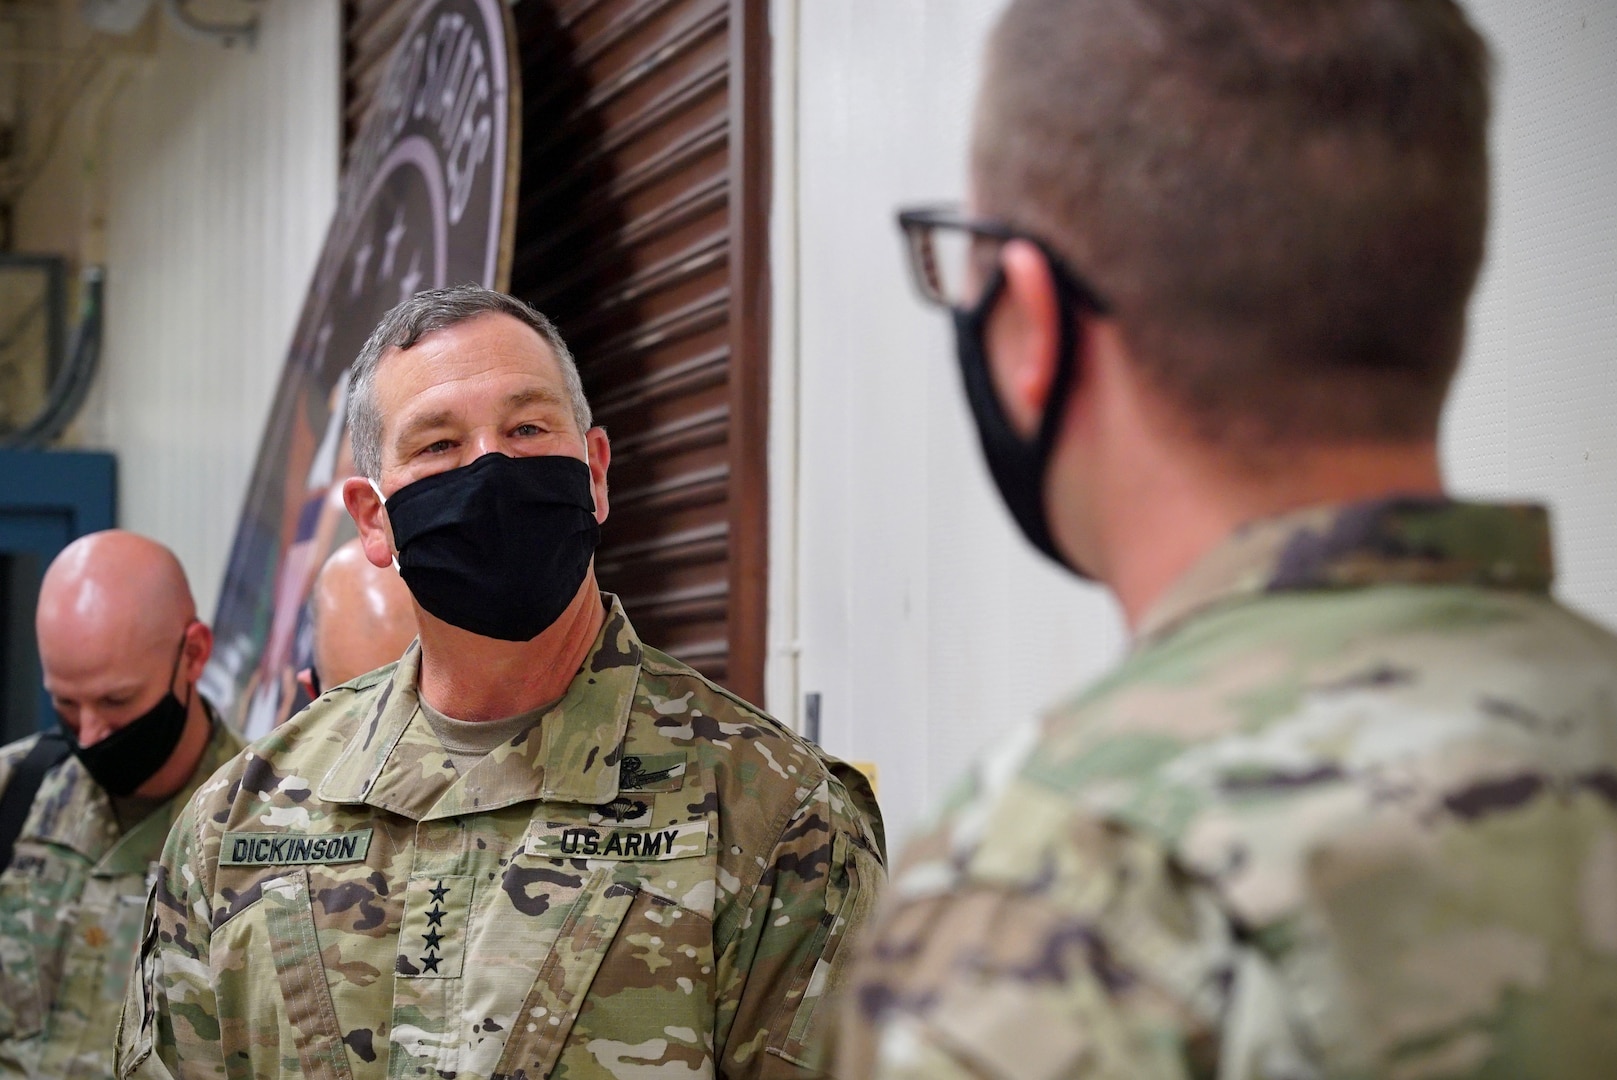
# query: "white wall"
929,628
924,622
1533,414
223,176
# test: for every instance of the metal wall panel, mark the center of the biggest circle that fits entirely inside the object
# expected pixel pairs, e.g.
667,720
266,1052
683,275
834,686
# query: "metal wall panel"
223,176
1532,413
929,628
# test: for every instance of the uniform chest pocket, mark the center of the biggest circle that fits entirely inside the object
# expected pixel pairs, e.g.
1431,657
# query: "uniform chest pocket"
35,916
626,984
108,936
300,975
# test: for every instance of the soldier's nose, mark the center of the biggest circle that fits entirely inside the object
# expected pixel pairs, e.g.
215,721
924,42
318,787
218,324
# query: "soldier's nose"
487,442
92,729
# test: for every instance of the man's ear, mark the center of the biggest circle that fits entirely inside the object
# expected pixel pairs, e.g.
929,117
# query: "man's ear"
600,452
1023,336
370,517
196,650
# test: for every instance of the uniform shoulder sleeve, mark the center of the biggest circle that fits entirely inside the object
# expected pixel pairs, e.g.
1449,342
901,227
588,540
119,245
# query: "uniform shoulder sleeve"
793,945
10,755
863,797
1101,962
170,1021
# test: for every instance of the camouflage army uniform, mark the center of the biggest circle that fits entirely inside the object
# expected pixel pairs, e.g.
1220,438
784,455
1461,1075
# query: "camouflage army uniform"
654,880
70,907
1348,809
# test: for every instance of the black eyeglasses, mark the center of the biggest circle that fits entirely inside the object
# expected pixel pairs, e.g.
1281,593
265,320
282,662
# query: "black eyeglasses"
954,258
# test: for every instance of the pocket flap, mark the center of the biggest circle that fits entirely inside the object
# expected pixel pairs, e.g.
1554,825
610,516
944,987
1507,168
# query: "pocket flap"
301,972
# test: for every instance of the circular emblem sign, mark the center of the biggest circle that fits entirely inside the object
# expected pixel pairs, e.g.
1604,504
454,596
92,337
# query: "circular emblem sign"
425,202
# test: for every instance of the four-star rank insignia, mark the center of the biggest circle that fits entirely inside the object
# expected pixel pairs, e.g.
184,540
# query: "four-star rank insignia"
432,941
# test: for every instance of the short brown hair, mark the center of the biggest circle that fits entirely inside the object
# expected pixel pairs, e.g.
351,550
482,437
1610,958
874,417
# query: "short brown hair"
416,317
1285,201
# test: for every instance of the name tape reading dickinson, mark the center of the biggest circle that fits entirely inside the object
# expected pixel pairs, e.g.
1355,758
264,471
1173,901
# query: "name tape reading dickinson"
293,849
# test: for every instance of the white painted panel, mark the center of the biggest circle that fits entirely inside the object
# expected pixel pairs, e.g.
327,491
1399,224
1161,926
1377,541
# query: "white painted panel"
782,695
1533,413
223,176
926,624
930,628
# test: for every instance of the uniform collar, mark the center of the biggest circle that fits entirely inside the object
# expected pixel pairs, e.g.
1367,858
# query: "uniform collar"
73,811
142,845
394,761
1401,540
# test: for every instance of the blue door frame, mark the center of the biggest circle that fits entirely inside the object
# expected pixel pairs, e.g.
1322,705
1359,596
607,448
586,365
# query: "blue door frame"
49,498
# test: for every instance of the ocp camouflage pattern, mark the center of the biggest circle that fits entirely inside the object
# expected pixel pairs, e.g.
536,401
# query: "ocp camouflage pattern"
70,908
654,880
1347,810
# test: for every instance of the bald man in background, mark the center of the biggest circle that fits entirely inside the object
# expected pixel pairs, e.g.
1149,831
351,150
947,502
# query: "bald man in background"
362,617
121,648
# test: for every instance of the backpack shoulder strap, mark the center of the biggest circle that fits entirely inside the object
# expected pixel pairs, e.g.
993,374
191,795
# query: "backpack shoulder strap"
48,751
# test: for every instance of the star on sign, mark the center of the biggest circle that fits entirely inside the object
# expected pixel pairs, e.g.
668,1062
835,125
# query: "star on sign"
432,938
394,234
322,340
440,892
435,917
430,962
408,283
362,259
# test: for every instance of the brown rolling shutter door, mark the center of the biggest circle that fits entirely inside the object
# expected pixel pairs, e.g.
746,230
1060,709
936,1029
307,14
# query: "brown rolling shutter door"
641,231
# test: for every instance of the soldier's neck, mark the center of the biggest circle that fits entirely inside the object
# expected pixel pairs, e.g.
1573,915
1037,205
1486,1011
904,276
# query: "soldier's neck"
469,677
1167,525
176,772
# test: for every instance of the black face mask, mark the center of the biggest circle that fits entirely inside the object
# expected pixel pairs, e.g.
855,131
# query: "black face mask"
500,546
130,756
1019,465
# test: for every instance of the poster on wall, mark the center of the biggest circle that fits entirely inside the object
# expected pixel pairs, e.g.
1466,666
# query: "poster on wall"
427,200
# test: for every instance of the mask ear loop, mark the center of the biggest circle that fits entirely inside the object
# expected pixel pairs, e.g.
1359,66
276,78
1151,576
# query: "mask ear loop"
383,500
175,670
595,500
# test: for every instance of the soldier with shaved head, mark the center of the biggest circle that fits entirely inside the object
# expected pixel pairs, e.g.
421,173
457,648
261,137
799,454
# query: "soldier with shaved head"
122,649
362,619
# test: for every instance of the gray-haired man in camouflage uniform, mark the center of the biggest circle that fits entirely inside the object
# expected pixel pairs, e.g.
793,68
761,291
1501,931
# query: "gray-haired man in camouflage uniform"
1349,806
534,846
121,649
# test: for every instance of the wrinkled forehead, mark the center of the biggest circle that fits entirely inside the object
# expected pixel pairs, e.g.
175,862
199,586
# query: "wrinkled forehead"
468,356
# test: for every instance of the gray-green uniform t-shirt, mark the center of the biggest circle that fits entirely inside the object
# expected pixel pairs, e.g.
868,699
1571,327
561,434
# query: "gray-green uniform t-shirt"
469,740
